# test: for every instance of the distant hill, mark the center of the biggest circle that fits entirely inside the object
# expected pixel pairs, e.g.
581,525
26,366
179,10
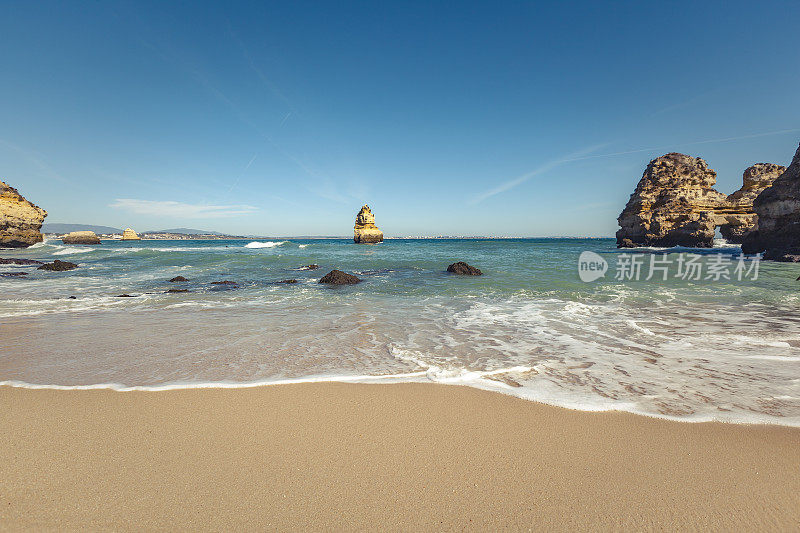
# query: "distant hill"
185,231
66,228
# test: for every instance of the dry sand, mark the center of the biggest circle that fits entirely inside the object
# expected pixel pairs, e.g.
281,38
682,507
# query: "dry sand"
409,456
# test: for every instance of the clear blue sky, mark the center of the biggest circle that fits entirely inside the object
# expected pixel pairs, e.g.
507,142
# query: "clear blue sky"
518,118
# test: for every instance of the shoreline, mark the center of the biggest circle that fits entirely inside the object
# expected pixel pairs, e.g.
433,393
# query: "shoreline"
494,387
406,456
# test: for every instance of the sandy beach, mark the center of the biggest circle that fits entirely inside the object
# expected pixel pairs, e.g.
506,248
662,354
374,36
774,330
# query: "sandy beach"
411,456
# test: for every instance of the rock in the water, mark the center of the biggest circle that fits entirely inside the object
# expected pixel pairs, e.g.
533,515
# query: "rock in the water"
310,267
288,281
739,218
81,237
337,277
463,269
778,209
14,261
178,279
177,290
12,274
224,282
125,296
675,204
58,266
365,231
20,220
130,235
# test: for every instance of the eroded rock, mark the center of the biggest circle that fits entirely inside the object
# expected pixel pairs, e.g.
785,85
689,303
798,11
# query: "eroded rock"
130,235
778,208
365,230
81,237
20,220
14,261
178,279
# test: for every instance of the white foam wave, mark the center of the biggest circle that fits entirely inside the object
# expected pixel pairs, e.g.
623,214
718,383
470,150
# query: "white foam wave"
268,244
71,250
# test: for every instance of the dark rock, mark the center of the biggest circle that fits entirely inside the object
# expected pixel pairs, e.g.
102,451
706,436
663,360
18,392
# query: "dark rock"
287,281
125,296
176,290
224,282
73,298
463,269
310,267
14,261
12,274
177,279
58,266
337,277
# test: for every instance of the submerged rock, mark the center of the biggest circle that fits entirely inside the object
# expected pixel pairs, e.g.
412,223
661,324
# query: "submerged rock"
176,290
125,296
777,234
178,279
287,281
224,282
58,266
337,277
20,220
310,267
130,235
365,230
463,269
81,237
12,274
13,261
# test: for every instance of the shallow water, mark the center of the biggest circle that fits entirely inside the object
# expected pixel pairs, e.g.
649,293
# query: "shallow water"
690,350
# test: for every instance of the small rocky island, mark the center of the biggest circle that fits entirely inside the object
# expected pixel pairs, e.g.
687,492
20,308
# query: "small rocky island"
130,235
81,237
365,231
20,220
675,204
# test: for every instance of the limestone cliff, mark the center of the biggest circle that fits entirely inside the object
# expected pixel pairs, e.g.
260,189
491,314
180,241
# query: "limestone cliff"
81,237
738,217
20,220
130,235
778,209
675,204
365,230
672,204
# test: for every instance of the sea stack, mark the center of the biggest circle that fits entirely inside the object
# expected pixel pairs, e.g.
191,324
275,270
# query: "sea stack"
675,204
130,235
20,220
778,208
365,231
81,237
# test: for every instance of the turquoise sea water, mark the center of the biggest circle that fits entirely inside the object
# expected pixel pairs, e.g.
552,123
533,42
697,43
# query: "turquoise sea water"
707,349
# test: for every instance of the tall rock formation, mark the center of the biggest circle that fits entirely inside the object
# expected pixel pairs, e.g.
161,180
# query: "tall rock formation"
740,204
20,220
130,235
778,209
365,231
675,204
672,205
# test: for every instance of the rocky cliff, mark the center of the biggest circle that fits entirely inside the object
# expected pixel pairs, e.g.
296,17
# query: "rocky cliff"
672,204
20,220
778,208
675,204
130,235
365,230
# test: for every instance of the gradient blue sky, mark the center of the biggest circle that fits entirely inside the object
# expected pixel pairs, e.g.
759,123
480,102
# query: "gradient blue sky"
523,119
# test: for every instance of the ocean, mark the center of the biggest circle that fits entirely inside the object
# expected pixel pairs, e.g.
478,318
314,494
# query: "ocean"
692,348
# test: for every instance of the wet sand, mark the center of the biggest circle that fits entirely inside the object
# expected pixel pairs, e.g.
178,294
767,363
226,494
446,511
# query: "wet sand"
411,456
